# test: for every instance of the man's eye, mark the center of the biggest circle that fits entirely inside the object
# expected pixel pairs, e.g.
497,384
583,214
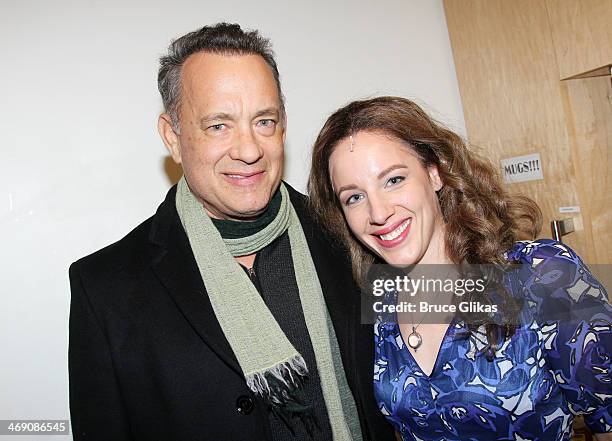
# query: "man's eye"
353,199
266,127
395,180
217,127
268,123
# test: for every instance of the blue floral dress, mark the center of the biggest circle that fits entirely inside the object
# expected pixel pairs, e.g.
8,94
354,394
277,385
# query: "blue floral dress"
542,376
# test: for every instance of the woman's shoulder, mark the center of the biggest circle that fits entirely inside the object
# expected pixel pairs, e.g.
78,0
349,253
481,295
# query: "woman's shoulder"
535,252
554,270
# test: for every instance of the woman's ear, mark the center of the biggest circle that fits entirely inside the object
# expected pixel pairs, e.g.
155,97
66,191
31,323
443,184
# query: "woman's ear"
434,178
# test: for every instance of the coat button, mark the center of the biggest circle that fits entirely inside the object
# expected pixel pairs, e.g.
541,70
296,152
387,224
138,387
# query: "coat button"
244,405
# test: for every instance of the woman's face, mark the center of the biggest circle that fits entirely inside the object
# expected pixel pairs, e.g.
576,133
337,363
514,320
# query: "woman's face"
389,198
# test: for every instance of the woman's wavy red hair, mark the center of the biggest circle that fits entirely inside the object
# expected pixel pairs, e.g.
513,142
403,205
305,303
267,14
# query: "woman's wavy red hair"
482,219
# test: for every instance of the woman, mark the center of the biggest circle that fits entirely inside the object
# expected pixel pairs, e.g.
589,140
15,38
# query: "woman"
397,187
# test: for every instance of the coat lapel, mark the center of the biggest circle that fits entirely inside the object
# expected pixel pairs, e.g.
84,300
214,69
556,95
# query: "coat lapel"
175,267
337,285
177,270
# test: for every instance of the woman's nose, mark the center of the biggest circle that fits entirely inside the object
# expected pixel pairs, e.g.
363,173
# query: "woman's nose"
380,210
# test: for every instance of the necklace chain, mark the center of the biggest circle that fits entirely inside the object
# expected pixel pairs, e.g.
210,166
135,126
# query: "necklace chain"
415,339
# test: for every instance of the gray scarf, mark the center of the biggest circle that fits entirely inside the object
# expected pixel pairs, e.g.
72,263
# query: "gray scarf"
272,367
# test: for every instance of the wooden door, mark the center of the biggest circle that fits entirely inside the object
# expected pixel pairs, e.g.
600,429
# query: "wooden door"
523,92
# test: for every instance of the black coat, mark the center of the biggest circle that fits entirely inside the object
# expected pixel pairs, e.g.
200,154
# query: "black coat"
148,359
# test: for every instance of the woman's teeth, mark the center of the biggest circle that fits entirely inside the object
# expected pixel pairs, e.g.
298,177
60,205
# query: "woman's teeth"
395,233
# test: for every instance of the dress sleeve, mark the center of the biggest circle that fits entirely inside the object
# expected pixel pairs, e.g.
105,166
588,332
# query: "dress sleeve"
572,303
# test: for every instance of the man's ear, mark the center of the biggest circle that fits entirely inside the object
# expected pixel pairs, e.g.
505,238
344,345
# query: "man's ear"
434,178
284,128
169,136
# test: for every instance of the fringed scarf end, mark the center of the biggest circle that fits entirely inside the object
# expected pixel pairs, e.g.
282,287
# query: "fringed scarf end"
290,373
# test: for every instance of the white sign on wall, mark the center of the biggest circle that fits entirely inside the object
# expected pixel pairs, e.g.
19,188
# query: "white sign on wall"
522,168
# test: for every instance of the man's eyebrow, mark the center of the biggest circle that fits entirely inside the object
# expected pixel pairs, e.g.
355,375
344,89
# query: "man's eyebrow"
270,111
215,117
390,169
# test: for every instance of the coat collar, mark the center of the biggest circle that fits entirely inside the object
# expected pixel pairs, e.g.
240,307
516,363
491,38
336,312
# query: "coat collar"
176,268
166,218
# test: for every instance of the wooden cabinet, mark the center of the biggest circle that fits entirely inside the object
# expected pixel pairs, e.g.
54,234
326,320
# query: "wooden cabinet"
582,34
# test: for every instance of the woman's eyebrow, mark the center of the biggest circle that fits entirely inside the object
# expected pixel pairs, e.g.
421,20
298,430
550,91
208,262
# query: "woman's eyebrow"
380,176
390,169
346,187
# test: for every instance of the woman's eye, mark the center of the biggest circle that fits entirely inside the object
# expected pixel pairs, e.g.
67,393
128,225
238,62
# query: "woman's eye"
353,199
395,180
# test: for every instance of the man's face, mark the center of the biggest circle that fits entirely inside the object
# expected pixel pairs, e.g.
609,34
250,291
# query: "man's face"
231,133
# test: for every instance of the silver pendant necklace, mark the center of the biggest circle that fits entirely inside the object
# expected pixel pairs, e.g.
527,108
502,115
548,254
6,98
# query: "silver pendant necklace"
415,339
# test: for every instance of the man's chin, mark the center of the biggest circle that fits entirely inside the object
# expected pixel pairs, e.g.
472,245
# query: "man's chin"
247,216
242,203
248,212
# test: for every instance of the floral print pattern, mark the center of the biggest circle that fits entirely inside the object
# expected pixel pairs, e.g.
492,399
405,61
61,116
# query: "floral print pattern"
549,371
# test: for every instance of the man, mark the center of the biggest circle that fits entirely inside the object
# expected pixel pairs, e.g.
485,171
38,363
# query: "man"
211,320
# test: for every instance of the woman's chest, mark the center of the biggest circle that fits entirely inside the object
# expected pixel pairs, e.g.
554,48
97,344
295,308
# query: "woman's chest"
466,393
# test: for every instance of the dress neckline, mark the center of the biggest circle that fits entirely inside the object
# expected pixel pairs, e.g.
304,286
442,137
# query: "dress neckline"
448,334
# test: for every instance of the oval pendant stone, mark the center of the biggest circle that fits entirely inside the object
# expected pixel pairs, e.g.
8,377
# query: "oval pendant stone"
414,340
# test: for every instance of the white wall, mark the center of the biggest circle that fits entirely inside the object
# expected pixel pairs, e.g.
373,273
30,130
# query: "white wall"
81,160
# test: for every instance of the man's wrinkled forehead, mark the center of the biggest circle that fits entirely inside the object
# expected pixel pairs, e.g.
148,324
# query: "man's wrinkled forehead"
224,77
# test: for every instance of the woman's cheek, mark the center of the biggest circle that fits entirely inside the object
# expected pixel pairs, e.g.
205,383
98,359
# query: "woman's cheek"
353,221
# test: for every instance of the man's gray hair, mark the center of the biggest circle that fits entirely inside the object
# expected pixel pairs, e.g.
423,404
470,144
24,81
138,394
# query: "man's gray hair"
222,39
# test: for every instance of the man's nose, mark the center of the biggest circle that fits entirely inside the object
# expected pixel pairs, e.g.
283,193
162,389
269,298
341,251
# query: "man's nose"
380,209
246,148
